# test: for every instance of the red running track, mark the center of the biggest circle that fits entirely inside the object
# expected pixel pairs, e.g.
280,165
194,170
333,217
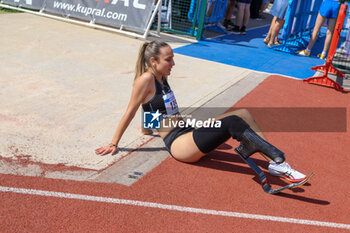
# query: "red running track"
220,181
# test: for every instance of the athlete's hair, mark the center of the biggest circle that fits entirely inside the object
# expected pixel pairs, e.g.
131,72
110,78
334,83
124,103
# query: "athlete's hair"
147,50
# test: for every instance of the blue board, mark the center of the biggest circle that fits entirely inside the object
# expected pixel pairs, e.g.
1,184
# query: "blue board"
248,51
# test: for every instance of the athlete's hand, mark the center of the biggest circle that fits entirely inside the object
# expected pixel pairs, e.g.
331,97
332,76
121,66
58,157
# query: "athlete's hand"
112,149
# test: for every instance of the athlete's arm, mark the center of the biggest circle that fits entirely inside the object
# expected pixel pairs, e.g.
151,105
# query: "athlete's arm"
142,87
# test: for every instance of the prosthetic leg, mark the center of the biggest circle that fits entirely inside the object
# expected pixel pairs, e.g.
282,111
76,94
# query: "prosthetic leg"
207,139
252,143
263,181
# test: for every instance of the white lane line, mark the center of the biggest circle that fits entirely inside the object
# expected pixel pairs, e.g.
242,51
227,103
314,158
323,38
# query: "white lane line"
172,207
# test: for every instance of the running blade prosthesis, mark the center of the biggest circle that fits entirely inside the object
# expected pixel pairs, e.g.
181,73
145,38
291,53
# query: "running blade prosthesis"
267,188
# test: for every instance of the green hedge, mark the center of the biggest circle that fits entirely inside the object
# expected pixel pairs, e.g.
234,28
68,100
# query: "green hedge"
5,11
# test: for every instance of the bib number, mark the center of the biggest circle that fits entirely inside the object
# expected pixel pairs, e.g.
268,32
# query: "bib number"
170,104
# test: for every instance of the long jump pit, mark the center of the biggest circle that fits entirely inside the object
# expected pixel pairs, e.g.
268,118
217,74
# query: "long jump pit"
64,88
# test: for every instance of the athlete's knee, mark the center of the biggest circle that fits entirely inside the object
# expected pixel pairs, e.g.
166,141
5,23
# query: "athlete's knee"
235,125
207,139
243,113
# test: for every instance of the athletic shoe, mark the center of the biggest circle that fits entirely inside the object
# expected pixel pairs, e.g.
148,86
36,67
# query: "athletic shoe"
235,30
321,56
242,30
228,24
284,170
304,53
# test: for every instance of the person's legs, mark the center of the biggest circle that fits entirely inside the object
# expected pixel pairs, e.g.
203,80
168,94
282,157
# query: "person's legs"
240,14
246,17
284,169
318,24
228,14
268,36
275,31
230,9
247,117
186,147
232,125
246,14
328,10
330,29
278,26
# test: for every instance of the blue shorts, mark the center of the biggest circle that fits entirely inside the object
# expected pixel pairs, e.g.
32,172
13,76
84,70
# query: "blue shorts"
279,8
329,9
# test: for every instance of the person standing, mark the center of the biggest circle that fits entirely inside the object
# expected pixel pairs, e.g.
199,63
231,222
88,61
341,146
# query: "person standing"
328,10
279,11
228,24
243,15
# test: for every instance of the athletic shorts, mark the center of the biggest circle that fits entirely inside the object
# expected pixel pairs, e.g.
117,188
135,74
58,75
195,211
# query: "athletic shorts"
245,1
279,8
206,139
175,133
329,9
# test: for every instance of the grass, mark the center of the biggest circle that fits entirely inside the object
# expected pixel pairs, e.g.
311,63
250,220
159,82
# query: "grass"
6,11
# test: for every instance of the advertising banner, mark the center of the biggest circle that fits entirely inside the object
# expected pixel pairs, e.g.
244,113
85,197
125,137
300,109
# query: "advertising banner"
133,15
129,14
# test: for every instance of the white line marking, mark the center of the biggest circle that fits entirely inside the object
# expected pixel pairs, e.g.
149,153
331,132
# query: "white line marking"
172,207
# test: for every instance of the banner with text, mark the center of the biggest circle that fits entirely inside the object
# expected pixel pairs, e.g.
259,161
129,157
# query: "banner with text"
133,15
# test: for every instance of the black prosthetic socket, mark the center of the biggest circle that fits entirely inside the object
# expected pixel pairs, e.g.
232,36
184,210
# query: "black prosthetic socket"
235,125
251,143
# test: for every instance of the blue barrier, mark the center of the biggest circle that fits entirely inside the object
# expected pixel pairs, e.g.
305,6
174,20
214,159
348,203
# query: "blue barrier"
299,22
215,11
346,25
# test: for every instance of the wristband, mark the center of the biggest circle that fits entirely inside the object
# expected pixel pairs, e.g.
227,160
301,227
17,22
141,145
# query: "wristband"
111,144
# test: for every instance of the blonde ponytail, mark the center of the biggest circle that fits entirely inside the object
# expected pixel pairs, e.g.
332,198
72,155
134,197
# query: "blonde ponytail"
140,67
147,51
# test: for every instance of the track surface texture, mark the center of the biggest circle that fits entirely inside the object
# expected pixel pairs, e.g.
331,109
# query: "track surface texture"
220,193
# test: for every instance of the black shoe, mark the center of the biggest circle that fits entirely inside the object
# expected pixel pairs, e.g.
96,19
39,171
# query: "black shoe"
242,30
251,143
235,29
228,24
